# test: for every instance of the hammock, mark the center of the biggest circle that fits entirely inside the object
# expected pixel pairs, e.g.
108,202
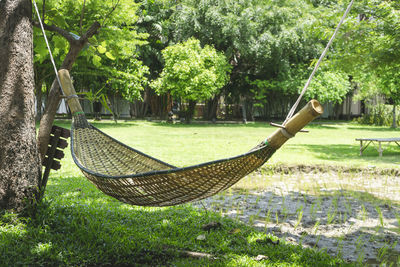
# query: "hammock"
136,178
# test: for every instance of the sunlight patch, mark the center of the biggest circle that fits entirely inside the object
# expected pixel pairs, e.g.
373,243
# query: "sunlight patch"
42,248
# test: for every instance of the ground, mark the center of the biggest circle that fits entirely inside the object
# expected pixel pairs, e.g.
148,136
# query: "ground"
355,215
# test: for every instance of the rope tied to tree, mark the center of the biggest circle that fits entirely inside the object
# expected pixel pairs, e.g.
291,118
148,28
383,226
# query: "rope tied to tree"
48,46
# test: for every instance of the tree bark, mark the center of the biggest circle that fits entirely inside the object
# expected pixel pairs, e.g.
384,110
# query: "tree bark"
53,98
190,110
394,122
211,106
39,102
243,106
19,158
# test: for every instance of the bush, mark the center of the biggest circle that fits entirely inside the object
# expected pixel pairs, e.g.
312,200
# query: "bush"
380,115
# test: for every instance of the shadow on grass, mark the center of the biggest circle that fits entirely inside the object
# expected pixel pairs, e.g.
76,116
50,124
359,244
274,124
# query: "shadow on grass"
377,129
77,225
257,124
99,124
391,152
221,124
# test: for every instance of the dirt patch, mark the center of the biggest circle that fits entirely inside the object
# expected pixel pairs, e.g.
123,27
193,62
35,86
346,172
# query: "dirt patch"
355,216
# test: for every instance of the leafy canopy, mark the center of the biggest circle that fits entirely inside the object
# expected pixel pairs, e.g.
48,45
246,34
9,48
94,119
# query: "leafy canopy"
370,48
109,59
192,72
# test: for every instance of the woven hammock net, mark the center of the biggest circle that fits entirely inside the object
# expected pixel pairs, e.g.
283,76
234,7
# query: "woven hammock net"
136,178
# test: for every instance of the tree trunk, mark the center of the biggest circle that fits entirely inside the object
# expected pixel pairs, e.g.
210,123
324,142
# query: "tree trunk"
39,100
337,110
349,99
243,109
394,123
115,108
190,110
19,158
53,98
211,106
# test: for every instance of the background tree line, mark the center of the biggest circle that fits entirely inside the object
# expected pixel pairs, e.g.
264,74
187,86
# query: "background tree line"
270,47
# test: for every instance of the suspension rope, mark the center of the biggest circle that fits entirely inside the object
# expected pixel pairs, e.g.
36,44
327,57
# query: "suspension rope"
294,107
48,46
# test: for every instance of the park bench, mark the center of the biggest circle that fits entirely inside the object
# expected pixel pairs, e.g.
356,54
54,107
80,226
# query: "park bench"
364,143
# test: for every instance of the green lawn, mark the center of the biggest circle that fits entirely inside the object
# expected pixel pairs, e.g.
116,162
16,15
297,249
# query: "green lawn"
80,226
77,225
327,143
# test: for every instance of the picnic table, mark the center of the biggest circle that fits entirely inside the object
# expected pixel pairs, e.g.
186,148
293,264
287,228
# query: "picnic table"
364,143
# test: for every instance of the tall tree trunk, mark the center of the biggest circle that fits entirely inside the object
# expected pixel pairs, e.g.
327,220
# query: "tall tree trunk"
249,108
243,108
348,100
210,110
394,123
190,110
19,158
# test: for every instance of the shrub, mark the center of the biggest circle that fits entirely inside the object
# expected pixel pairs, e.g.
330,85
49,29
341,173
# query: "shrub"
380,115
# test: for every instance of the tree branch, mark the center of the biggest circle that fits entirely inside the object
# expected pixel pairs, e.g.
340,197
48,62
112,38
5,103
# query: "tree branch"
109,13
56,29
91,31
54,94
67,35
82,13
43,10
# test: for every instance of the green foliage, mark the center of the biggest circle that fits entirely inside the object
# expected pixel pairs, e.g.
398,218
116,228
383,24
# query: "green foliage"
155,19
269,44
326,86
97,97
263,40
380,115
192,72
110,58
369,48
329,86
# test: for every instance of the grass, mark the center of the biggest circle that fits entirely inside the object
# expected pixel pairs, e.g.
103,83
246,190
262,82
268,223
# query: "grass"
78,225
183,145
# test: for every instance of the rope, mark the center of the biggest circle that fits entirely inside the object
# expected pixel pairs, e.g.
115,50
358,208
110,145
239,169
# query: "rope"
48,46
294,107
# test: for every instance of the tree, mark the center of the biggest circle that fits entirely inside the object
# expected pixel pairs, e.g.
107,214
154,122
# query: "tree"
75,46
192,73
110,37
328,86
263,40
369,49
155,19
19,158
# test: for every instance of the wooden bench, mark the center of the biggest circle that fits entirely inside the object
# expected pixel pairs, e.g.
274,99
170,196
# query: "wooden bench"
364,143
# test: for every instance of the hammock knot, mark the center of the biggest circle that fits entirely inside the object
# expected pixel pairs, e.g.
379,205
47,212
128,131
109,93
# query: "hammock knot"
286,133
71,96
